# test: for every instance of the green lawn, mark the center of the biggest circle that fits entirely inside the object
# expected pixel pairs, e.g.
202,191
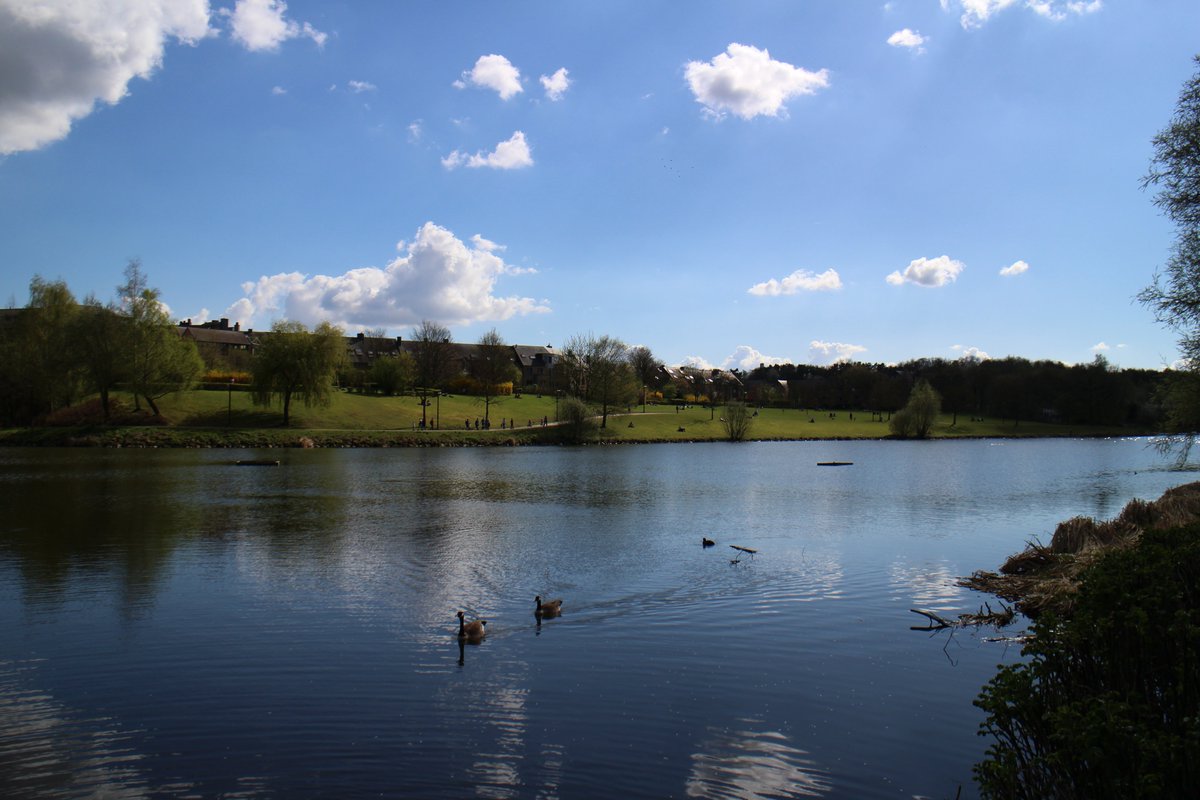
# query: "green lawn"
216,418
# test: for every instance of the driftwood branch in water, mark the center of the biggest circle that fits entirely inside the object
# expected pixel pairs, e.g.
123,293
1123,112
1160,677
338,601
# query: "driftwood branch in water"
741,550
937,622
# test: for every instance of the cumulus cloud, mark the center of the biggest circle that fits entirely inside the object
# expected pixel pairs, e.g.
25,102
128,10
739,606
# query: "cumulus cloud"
970,353
278,91
493,72
908,38
833,352
747,82
59,58
698,362
745,357
358,87
799,281
976,13
511,154
262,25
556,85
928,272
437,276
1014,269
1100,347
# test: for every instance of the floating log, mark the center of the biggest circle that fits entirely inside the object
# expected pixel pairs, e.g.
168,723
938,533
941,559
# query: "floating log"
835,463
749,550
251,462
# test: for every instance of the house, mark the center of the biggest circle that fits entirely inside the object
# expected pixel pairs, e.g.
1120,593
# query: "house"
219,344
536,364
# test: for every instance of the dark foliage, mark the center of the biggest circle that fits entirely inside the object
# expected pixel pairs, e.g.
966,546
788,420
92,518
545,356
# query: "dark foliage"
1108,704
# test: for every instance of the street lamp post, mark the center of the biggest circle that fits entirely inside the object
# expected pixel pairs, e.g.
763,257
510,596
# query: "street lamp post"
643,398
437,421
229,405
557,394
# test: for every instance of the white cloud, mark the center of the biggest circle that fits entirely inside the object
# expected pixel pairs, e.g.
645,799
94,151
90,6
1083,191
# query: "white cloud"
557,84
493,72
748,82
908,38
1014,269
1100,347
745,357
511,154
970,353
358,87
61,57
799,281
833,352
697,362
975,13
415,131
1058,11
261,25
928,272
437,276
278,91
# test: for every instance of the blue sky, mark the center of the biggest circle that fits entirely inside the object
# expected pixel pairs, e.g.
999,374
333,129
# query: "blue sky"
727,183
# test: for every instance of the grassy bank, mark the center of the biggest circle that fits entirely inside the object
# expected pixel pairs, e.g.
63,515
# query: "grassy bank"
220,419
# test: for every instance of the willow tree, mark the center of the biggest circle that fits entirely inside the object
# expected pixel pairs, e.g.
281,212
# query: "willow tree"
293,363
100,336
46,362
1175,293
159,360
917,417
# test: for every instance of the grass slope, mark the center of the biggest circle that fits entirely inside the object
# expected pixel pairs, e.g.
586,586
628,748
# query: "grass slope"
214,418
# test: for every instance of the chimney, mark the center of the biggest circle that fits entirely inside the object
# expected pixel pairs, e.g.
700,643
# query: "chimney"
224,323
237,326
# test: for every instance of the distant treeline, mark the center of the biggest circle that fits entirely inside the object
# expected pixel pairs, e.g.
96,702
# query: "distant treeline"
1010,388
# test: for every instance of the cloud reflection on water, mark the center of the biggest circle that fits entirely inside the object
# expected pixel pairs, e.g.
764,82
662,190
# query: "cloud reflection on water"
750,763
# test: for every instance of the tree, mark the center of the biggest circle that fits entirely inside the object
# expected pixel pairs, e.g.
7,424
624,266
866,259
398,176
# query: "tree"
918,415
645,368
600,371
432,359
160,360
737,420
392,374
293,363
100,334
493,368
1175,295
47,363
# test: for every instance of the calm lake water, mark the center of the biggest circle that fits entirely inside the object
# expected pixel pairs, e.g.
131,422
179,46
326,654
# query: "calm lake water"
172,625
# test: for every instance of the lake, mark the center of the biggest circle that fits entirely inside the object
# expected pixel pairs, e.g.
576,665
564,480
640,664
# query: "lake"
174,625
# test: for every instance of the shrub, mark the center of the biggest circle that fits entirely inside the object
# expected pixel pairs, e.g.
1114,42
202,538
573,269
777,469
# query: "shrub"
1108,704
578,423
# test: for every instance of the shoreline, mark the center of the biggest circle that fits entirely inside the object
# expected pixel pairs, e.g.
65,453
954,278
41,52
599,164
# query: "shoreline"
309,438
